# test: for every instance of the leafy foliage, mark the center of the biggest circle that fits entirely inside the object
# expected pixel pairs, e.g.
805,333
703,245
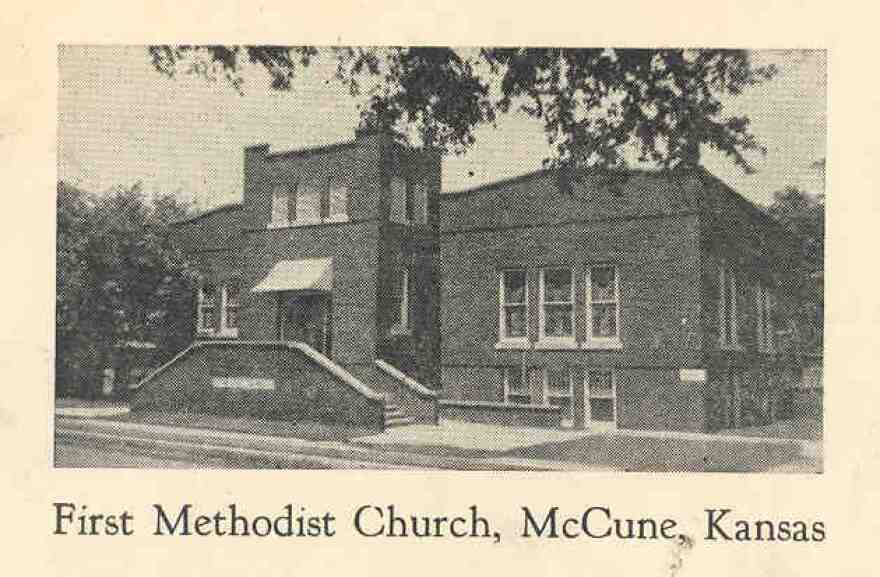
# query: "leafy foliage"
119,279
803,214
593,102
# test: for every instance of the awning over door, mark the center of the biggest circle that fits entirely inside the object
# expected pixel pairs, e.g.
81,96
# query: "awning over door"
291,275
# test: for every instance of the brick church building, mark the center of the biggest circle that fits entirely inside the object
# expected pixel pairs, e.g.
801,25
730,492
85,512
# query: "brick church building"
346,286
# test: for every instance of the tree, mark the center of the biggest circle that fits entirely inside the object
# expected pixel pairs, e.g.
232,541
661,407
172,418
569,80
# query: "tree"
593,102
119,279
803,214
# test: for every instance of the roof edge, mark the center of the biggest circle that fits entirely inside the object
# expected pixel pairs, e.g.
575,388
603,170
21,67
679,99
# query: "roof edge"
210,211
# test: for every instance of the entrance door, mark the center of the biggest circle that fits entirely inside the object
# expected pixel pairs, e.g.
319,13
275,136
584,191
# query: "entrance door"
306,318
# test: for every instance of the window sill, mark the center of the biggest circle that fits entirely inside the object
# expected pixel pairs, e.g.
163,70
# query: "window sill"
556,344
731,348
217,334
519,345
602,344
308,222
399,331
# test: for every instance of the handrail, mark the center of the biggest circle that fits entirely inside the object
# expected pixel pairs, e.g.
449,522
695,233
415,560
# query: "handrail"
413,384
325,363
156,372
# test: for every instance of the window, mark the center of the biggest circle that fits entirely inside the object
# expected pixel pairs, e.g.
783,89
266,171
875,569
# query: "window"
764,326
229,310
401,203
560,389
513,315
338,199
603,305
308,203
601,392
557,305
206,311
400,302
515,389
727,308
281,199
420,202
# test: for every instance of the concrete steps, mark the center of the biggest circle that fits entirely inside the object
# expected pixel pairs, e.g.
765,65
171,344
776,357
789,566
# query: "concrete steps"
395,417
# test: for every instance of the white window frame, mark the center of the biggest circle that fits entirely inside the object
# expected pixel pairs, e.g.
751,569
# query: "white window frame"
402,327
764,326
555,341
200,307
503,338
231,332
733,343
588,409
592,341
505,376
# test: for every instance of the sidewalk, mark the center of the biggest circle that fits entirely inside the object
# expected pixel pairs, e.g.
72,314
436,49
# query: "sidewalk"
456,445
280,452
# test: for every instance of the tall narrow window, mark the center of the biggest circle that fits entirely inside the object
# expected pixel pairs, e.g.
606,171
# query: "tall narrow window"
398,206
308,202
229,320
603,303
207,308
557,304
601,393
513,316
727,308
280,205
764,326
400,302
338,201
420,202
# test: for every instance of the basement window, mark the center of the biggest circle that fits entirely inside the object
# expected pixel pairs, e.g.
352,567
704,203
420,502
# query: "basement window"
601,393
515,386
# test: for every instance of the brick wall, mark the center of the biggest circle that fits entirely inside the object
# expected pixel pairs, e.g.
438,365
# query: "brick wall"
304,391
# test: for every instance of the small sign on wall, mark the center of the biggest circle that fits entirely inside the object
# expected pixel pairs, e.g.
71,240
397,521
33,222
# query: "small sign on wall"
692,375
247,383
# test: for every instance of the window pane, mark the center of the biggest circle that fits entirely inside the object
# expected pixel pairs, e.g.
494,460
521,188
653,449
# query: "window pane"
566,404
232,317
308,205
602,283
602,410
558,381
279,205
420,199
398,200
604,320
515,321
399,304
601,384
338,198
557,321
557,285
209,293
232,294
515,382
536,385
515,286
208,320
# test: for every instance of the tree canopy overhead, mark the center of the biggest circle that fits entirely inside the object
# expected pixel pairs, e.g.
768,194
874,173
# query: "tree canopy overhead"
593,103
